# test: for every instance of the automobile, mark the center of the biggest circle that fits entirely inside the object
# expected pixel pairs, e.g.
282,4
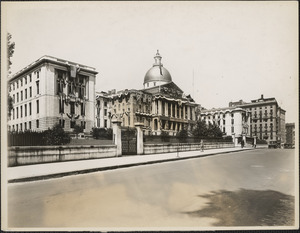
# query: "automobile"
272,144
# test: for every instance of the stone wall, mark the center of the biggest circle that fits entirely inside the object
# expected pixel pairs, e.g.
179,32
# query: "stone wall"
46,154
174,147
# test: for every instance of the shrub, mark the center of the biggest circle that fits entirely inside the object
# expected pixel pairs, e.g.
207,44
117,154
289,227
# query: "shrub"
56,136
165,136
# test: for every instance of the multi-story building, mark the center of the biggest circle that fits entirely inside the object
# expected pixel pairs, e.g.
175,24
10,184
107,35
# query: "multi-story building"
51,91
290,134
103,109
160,106
267,118
231,120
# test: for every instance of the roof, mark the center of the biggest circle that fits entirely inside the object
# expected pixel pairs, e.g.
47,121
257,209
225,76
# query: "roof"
52,60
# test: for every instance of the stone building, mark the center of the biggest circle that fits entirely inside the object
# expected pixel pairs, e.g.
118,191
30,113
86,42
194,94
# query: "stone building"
267,118
231,120
290,134
51,91
161,105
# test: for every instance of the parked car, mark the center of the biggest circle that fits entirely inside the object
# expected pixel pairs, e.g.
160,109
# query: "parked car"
272,144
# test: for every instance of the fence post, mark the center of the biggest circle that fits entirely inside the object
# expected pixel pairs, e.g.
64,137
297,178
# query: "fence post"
117,136
139,140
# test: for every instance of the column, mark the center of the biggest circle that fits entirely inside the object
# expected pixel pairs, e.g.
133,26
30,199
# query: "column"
166,108
189,112
139,139
179,112
171,110
159,107
117,136
153,107
183,117
176,110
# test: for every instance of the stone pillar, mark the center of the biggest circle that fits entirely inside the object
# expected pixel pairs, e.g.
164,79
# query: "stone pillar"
139,139
183,117
159,107
153,107
176,110
117,136
189,112
244,138
234,139
171,114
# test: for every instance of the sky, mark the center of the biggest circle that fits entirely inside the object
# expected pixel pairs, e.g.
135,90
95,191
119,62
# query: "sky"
216,51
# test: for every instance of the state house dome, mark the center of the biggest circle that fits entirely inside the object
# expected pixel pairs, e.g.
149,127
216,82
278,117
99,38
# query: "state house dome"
157,75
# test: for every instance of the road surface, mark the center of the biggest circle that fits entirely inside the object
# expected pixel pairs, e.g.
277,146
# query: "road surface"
249,188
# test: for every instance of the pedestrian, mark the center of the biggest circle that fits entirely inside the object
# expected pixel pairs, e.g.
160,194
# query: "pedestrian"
242,143
201,145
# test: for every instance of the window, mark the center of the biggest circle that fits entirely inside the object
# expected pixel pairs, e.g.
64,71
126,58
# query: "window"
72,108
29,109
82,109
29,124
17,127
37,106
37,87
25,126
13,113
30,91
21,111
37,74
232,129
62,123
21,95
105,112
17,112
232,121
21,127
105,104
25,109
30,78
37,123
25,93
14,98
17,97
21,82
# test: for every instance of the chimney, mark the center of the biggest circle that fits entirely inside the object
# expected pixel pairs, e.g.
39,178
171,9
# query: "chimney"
262,96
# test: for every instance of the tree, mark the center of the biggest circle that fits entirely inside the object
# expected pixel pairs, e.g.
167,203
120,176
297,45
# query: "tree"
10,51
10,105
214,131
182,135
201,129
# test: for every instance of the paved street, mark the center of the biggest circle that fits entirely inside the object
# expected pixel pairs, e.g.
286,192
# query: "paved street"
248,188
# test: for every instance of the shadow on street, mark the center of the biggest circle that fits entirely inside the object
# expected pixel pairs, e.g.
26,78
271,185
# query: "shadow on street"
248,208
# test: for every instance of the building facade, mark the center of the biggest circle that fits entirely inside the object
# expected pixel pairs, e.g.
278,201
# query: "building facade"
52,91
231,120
161,105
290,134
267,119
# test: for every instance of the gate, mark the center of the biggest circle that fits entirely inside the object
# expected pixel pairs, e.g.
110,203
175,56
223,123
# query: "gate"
129,143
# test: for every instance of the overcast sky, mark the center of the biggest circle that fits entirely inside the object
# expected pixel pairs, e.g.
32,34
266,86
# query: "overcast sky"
216,51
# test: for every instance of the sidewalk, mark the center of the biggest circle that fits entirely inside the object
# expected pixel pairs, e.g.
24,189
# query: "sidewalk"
53,170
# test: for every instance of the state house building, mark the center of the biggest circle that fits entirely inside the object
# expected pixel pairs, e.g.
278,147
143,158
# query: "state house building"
161,105
51,91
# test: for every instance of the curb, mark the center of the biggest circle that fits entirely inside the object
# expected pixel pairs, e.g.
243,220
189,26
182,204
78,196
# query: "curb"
91,170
